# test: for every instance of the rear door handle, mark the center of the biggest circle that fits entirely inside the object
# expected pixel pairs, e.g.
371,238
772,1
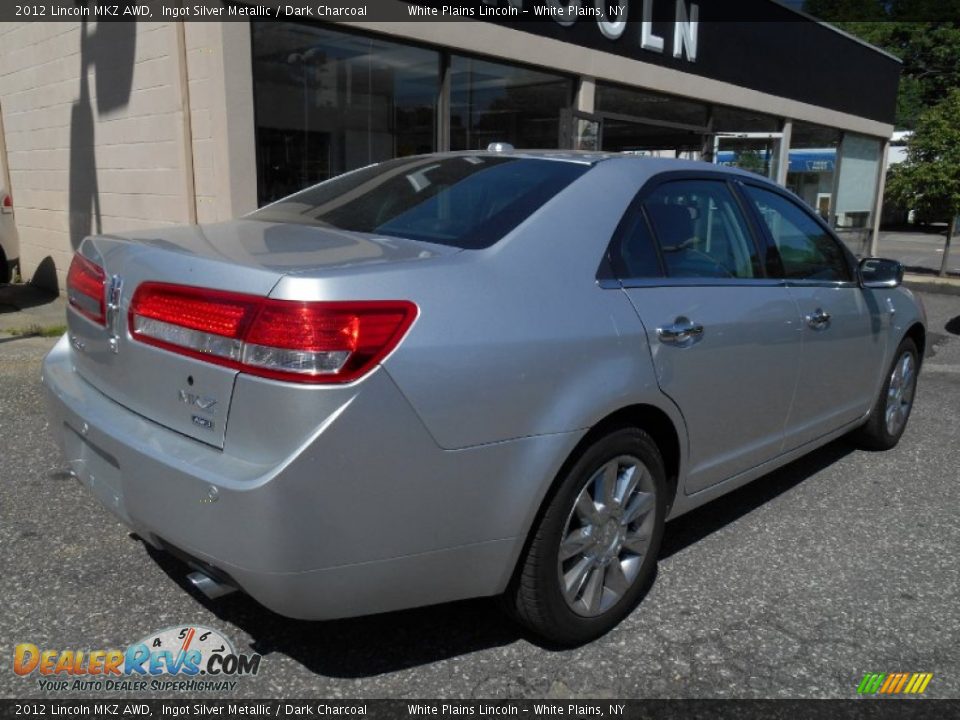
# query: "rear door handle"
819,319
683,332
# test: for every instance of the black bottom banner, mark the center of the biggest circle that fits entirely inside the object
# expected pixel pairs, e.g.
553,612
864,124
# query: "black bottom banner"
907,709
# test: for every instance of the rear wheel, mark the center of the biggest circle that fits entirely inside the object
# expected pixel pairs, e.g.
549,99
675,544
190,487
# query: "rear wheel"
595,547
890,413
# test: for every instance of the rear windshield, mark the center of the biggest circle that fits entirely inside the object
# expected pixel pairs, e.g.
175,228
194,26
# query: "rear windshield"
467,201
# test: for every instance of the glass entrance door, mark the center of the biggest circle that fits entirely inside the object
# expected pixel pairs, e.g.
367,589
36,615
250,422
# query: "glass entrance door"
580,130
756,152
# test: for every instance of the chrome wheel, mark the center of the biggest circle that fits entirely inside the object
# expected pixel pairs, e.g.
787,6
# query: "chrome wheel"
606,536
903,382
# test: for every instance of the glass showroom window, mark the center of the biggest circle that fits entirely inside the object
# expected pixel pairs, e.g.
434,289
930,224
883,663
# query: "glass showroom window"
327,102
492,102
857,189
813,160
648,123
639,103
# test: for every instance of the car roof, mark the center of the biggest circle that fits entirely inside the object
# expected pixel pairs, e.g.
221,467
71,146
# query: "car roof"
651,165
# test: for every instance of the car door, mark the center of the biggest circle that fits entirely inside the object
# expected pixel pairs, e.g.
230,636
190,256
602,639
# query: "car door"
724,338
843,350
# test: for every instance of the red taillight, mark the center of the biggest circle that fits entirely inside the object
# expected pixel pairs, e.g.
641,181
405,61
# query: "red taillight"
7,203
316,342
85,289
208,311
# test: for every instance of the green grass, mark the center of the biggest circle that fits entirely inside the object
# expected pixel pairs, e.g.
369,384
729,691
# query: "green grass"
36,330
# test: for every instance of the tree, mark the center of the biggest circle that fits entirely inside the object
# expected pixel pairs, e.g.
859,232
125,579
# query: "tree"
931,61
924,34
929,179
752,160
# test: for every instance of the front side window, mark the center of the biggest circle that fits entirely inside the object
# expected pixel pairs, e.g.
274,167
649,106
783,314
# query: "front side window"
468,202
701,231
806,249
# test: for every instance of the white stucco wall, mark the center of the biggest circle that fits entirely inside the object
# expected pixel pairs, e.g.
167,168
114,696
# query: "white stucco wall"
82,163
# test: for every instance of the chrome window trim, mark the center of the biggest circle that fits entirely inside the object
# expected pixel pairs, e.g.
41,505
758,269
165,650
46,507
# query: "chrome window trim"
700,282
643,282
821,283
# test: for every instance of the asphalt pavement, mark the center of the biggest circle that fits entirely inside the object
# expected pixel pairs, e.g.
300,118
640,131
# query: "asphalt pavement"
842,563
919,251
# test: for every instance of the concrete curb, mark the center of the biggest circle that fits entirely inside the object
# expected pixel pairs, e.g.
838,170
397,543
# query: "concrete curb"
932,284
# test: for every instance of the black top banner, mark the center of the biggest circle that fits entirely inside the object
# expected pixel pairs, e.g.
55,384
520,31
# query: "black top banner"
945,11
758,44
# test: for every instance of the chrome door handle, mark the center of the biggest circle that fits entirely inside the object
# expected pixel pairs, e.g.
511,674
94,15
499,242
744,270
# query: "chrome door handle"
819,319
683,332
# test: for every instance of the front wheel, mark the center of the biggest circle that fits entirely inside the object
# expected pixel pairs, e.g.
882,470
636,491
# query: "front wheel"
595,547
890,413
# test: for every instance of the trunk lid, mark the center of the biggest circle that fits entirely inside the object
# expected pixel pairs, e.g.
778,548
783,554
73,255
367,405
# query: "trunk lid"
185,394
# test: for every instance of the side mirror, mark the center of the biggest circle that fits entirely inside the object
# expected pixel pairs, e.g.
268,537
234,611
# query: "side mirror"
879,273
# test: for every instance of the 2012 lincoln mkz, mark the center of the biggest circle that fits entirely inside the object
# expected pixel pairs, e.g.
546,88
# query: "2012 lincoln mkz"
470,374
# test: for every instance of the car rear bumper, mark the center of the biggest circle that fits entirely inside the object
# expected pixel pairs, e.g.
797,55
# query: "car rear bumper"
368,516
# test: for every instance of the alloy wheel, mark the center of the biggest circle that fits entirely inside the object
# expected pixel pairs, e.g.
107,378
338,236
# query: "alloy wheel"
903,380
607,536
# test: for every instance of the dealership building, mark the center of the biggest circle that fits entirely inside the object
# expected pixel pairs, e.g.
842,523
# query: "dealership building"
114,126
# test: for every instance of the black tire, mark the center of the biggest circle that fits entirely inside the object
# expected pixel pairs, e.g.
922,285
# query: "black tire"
875,433
6,269
535,598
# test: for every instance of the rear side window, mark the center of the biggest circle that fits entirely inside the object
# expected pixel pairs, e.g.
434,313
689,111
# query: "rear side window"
701,230
467,201
635,255
807,251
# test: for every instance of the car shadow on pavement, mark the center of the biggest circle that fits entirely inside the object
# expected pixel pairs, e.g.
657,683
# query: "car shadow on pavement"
707,519
377,644
364,646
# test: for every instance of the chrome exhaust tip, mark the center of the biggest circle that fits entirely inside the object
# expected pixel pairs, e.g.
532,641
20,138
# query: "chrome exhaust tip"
210,587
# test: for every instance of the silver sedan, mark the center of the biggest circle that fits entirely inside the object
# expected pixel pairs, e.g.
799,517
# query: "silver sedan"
470,374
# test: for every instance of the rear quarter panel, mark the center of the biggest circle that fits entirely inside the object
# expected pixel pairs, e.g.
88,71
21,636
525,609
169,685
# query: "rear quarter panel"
518,339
